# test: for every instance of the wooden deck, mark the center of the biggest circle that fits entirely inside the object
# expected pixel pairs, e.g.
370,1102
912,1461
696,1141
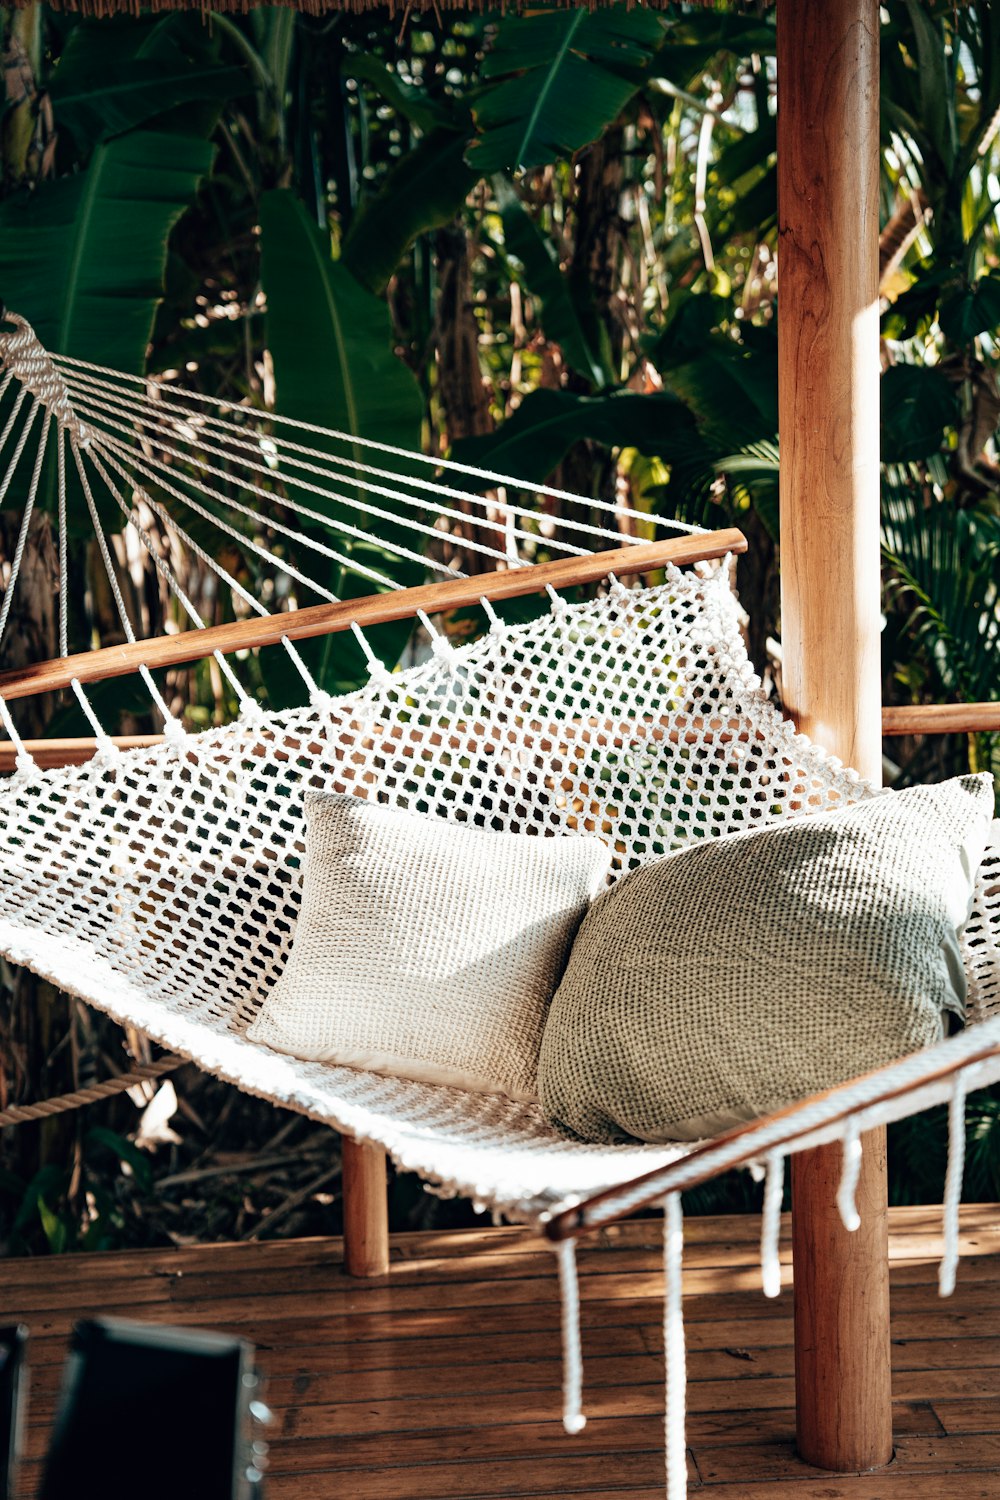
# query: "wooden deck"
442,1379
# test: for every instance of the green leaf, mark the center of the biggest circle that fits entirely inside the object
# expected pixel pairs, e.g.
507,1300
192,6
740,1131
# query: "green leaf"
972,311
412,103
82,258
536,266
331,342
49,1179
944,561
561,77
918,405
918,303
424,190
53,1227
99,92
756,471
730,385
545,426
696,38
935,76
125,1151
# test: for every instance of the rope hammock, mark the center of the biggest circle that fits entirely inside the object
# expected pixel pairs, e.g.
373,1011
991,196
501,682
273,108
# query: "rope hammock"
161,884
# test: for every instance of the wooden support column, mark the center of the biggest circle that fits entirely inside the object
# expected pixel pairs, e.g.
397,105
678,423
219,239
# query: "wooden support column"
828,160
366,1210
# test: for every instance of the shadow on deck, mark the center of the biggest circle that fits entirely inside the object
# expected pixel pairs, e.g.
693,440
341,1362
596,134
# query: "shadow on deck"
443,1378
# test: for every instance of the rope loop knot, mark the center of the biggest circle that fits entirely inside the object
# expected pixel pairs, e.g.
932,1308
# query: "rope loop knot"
174,733
322,702
25,356
444,652
107,754
557,604
25,766
379,674
251,713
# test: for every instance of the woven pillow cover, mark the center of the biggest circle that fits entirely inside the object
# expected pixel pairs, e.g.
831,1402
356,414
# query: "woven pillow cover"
739,975
425,949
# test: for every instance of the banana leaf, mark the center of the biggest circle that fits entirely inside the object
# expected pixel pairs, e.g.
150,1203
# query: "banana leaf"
545,426
425,190
83,259
555,79
112,79
533,261
331,342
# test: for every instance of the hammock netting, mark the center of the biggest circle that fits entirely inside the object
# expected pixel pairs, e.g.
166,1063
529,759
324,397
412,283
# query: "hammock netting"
162,885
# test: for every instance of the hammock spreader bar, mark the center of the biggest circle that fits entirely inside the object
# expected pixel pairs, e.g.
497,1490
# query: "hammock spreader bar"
374,609
941,1069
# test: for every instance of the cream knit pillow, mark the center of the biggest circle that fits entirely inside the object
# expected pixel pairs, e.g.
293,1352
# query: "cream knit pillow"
743,973
426,949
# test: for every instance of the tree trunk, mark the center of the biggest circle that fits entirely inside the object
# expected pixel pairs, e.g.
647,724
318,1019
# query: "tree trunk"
463,395
32,632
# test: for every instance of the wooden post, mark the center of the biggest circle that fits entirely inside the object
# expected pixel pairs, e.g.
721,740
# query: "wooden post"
366,1210
828,163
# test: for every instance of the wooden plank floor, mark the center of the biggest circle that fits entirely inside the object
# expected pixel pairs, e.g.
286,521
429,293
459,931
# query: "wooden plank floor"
442,1379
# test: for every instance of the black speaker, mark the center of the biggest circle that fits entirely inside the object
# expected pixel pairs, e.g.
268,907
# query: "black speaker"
157,1413
13,1384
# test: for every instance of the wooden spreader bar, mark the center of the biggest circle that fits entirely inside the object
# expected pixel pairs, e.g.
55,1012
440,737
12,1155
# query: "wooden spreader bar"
652,1187
942,718
373,609
931,718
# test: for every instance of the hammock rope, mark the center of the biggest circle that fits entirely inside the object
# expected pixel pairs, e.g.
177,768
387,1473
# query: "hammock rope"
44,1109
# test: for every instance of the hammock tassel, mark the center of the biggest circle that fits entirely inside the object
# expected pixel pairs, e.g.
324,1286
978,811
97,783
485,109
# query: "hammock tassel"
851,1172
770,1224
574,1420
675,1438
953,1186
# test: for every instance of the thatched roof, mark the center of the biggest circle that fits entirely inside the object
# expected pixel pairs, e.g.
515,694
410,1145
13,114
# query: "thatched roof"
320,7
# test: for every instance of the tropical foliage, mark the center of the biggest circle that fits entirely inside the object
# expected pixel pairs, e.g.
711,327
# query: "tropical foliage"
546,244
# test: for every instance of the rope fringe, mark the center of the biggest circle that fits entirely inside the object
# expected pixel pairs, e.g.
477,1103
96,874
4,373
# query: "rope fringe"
850,1174
953,1186
675,1437
569,1290
770,1224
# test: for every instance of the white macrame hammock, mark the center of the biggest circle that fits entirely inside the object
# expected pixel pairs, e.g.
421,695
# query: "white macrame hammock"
161,885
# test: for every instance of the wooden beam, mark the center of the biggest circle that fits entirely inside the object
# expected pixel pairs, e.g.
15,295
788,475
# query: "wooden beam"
51,754
648,1190
373,609
942,718
932,718
828,360
366,1209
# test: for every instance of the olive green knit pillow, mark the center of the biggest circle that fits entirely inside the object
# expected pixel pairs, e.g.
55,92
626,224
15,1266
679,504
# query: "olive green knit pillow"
743,973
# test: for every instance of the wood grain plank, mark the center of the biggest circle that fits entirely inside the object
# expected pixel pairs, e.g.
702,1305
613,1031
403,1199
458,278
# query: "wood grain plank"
727,1236
430,1385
